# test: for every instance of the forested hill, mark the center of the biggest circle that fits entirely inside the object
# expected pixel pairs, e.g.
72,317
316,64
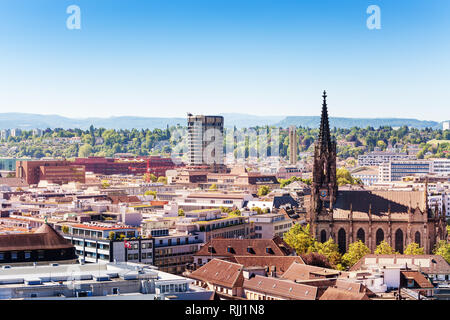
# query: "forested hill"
27,121
346,123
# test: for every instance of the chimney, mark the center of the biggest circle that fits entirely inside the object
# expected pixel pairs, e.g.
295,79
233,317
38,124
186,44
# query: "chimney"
273,272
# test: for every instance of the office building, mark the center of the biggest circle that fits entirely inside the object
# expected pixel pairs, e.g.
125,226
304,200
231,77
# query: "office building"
270,225
112,281
53,171
205,140
378,158
292,145
396,170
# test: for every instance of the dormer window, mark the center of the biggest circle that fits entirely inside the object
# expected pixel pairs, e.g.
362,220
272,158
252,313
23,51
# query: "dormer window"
250,250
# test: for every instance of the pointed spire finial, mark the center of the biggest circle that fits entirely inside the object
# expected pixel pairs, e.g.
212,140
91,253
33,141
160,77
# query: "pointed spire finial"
324,132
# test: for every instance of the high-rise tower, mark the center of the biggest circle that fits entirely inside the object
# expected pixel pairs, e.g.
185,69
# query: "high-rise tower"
293,145
205,140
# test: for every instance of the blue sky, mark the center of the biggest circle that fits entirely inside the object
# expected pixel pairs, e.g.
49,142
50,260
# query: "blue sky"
169,57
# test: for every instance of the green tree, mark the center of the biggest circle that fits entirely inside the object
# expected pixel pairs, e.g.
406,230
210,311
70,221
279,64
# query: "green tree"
442,248
329,249
381,144
257,209
213,187
356,251
384,248
300,238
180,212
105,184
343,177
150,193
111,235
162,180
413,248
150,176
65,229
85,151
263,191
225,209
235,213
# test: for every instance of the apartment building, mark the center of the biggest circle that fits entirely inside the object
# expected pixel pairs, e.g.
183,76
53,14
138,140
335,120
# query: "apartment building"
210,224
441,166
205,140
53,171
270,225
101,243
174,250
440,201
293,141
211,200
368,175
396,170
376,158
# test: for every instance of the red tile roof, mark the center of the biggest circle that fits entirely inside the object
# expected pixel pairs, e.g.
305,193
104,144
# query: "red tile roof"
220,272
124,199
276,247
299,271
45,237
281,263
280,288
418,277
341,294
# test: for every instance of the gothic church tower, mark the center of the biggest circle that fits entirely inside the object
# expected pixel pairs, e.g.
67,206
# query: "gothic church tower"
324,183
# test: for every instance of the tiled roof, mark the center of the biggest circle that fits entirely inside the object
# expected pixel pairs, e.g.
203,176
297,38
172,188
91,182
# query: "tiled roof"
45,237
380,201
281,263
275,246
418,277
432,264
281,288
299,271
333,293
220,272
279,201
123,199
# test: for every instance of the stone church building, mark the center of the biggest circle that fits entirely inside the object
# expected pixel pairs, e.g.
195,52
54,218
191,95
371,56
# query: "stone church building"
346,215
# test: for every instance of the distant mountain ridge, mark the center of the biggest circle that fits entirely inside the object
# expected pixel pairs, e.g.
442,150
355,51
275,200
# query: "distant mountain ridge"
313,122
28,121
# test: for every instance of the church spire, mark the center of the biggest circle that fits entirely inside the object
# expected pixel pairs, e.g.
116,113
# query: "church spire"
324,134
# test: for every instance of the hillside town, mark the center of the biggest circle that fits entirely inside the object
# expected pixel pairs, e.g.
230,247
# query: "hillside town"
210,225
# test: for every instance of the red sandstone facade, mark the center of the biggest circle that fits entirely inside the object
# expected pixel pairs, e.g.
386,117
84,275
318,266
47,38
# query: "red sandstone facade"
54,171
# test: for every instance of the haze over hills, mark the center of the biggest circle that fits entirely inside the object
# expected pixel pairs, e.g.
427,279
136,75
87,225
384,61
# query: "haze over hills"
28,121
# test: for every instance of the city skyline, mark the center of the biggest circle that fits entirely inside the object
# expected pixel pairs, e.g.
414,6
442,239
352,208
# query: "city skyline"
165,59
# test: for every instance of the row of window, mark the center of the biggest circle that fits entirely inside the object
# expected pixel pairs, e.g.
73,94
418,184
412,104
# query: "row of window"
175,287
282,226
135,256
14,255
